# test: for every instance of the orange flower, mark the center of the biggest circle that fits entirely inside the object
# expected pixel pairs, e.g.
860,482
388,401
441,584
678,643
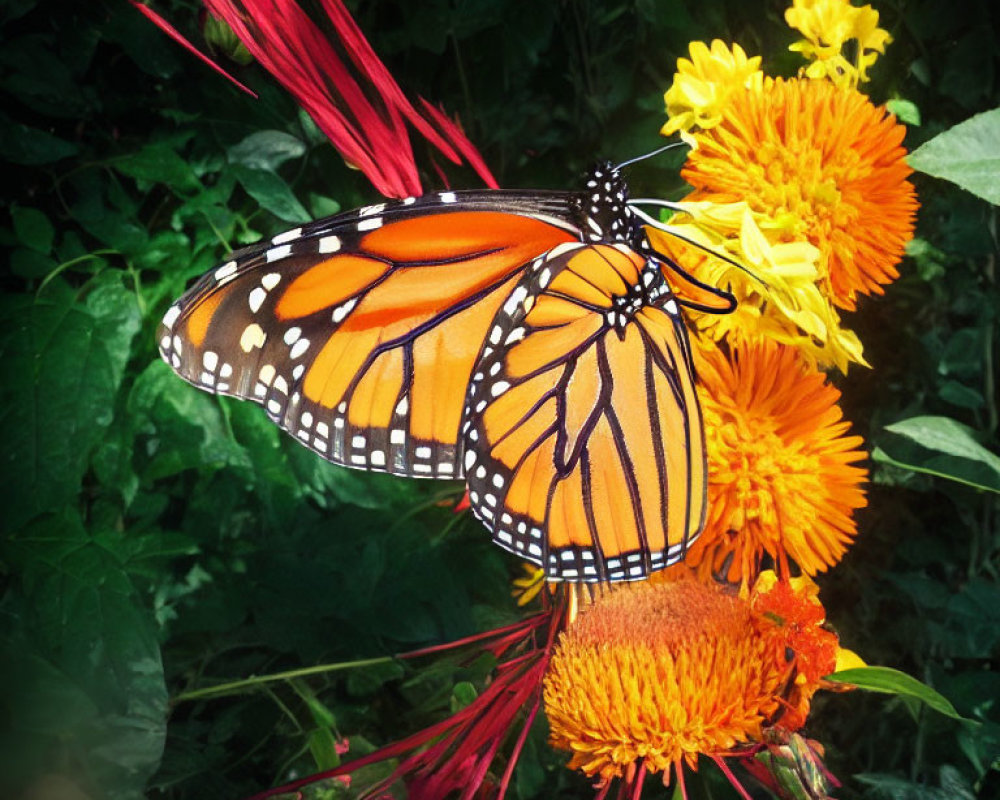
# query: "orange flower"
826,157
781,473
654,674
791,612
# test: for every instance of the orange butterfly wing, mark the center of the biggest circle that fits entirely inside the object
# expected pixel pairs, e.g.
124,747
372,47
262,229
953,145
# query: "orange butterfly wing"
359,334
584,448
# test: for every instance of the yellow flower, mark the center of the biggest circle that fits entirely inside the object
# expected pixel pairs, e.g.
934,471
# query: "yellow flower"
703,85
527,587
826,166
656,673
782,474
830,24
775,284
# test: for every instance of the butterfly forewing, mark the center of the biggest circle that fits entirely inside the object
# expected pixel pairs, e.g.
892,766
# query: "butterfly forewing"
584,450
359,334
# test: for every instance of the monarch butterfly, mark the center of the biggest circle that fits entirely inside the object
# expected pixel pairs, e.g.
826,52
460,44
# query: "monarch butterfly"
526,341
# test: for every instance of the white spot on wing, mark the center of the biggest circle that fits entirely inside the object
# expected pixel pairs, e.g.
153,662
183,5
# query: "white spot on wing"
171,316
329,244
559,249
256,299
278,253
253,336
343,310
227,270
287,236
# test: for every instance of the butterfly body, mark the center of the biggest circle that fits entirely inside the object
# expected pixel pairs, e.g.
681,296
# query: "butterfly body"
525,341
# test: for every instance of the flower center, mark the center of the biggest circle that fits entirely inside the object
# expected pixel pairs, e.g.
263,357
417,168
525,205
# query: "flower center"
761,466
660,673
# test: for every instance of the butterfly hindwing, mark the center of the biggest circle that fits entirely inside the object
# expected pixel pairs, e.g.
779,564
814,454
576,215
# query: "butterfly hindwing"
584,449
359,333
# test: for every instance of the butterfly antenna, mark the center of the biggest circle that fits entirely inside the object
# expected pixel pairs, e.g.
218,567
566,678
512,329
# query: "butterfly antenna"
662,226
643,157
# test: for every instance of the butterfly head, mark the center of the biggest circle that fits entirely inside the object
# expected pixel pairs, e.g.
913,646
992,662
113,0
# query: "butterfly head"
604,206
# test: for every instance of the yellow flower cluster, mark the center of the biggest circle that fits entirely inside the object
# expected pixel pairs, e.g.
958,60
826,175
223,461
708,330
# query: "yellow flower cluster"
702,86
828,26
803,183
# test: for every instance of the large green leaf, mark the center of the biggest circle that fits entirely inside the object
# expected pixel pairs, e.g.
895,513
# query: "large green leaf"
943,447
61,363
891,681
967,154
82,651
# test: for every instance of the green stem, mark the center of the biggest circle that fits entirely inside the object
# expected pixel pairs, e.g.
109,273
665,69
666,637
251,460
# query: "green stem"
96,255
260,680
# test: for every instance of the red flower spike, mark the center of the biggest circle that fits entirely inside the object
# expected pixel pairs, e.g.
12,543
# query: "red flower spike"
363,112
455,755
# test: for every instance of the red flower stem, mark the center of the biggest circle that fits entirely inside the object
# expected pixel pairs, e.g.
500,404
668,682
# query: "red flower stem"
521,626
508,772
721,764
639,780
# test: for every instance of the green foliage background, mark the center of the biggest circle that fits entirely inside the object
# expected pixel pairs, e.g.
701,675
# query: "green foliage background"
158,539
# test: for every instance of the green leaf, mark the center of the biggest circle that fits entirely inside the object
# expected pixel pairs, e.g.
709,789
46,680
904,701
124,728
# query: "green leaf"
158,163
83,660
266,150
892,787
62,363
33,229
322,206
30,263
271,192
186,427
967,154
463,694
21,144
954,452
323,747
958,394
887,680
905,110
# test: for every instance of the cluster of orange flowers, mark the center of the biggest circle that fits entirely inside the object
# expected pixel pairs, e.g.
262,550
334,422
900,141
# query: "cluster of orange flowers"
802,185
